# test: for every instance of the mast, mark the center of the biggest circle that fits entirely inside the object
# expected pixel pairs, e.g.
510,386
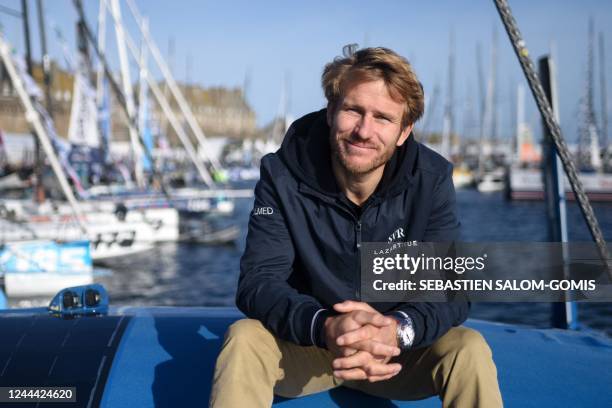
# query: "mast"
101,47
278,127
487,131
171,67
604,93
513,126
429,112
447,130
288,119
481,85
590,76
494,107
102,99
26,34
520,120
142,86
245,90
143,99
591,121
468,111
46,63
128,92
39,190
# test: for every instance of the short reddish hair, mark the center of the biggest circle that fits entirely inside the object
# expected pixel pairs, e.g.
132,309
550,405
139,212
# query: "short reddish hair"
371,64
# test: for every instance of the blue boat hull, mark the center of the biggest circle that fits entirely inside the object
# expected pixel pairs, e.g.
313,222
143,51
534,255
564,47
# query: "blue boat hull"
145,357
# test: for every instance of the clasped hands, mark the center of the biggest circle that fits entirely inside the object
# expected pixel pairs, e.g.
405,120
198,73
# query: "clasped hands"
363,341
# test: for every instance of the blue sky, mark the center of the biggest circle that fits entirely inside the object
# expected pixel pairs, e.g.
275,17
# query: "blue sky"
270,40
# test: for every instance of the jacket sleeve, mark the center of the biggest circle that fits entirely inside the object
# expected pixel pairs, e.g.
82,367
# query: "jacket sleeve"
432,320
263,290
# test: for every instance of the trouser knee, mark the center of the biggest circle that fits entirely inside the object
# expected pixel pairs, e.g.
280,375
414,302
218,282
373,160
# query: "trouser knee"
471,342
248,338
247,333
243,329
465,350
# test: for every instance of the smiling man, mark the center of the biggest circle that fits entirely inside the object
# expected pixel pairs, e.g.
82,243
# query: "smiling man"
349,174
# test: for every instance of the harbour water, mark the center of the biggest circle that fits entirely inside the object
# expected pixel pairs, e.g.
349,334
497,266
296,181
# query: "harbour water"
196,275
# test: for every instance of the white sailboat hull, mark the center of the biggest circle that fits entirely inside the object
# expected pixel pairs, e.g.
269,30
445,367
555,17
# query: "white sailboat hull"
527,184
103,222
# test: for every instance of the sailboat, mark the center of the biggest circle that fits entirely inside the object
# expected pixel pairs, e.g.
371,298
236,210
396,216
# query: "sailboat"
29,221
189,202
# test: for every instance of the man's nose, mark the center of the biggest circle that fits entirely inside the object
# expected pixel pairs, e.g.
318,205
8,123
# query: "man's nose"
365,127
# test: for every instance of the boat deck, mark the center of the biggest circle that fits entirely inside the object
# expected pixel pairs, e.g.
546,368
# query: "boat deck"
145,357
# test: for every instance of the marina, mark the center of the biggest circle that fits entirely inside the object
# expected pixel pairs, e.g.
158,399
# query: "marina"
128,194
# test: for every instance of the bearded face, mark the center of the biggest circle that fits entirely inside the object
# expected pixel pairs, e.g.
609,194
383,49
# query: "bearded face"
366,127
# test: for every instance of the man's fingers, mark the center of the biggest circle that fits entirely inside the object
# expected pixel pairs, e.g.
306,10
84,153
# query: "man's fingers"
351,305
358,359
352,374
366,332
347,351
361,374
379,369
363,333
375,319
377,378
376,348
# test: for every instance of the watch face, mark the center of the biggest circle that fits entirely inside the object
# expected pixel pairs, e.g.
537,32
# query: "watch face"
405,334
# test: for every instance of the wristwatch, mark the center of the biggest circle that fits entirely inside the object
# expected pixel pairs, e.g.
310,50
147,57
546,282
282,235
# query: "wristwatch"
405,331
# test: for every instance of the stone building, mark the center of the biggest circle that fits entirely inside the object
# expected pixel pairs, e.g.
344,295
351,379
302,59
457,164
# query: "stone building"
219,111
12,117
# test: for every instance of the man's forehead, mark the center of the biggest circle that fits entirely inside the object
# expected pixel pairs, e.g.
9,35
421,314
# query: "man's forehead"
360,92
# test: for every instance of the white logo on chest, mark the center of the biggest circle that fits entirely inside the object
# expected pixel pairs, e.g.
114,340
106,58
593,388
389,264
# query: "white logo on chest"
397,235
262,211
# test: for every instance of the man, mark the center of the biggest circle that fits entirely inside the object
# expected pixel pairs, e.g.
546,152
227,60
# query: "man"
349,174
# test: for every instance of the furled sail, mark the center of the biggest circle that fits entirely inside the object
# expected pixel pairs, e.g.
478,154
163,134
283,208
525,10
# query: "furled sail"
83,128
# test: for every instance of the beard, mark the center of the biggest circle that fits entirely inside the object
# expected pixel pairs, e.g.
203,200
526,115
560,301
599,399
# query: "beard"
360,168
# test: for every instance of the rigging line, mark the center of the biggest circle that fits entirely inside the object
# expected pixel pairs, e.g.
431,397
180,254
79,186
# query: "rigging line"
553,127
11,12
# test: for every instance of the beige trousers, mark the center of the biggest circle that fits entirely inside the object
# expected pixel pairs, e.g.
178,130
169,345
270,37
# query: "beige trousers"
254,365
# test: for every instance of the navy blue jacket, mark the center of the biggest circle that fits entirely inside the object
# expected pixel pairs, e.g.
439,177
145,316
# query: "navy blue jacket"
302,251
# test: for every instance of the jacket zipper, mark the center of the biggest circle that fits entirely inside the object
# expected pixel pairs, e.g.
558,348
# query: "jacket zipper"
358,227
358,235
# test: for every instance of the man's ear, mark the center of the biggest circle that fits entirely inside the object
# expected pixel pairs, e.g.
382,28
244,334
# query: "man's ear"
404,135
